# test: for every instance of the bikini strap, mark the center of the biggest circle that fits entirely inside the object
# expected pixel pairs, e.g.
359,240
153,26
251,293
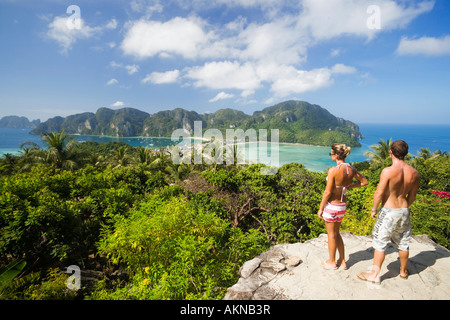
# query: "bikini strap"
344,189
346,164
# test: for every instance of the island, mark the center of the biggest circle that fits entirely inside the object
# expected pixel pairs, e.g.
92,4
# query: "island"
297,122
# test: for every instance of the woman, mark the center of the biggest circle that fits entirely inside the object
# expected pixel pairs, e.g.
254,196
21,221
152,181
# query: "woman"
334,201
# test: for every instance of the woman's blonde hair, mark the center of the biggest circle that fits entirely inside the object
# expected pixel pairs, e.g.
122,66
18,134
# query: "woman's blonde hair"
341,149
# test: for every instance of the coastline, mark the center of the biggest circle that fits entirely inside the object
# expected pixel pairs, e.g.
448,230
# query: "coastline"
131,137
195,138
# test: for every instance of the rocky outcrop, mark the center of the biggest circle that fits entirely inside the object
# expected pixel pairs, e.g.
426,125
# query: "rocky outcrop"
293,271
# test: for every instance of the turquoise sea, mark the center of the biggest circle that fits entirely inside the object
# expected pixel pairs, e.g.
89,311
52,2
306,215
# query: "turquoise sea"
434,137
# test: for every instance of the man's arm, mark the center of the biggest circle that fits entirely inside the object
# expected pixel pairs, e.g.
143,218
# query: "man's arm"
412,194
381,189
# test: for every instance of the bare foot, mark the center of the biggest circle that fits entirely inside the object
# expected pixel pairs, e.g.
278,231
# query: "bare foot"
342,264
404,275
329,265
371,277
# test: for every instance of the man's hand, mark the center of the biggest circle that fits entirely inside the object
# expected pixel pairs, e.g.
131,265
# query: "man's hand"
373,213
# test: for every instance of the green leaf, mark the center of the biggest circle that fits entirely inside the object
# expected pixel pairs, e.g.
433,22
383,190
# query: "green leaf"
9,272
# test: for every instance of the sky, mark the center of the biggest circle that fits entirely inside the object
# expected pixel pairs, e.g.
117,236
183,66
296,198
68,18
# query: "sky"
374,61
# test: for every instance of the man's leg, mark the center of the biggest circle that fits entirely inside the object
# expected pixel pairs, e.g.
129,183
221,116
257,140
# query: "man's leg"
404,255
374,275
378,259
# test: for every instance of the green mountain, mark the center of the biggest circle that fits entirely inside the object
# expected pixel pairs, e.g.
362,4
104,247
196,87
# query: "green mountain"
297,122
18,122
302,122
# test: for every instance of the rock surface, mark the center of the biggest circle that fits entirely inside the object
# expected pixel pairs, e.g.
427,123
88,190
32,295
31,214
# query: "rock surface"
293,272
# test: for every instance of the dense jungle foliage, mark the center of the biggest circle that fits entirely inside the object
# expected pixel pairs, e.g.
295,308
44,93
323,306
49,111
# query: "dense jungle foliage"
140,227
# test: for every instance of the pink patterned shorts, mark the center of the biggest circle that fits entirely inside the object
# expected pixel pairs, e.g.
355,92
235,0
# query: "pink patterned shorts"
334,212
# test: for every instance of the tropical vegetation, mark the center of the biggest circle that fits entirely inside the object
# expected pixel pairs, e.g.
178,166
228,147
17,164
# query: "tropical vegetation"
141,227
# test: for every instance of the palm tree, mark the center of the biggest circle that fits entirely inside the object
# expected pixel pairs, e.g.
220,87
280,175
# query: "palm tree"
424,153
121,157
8,163
59,151
145,155
31,154
380,151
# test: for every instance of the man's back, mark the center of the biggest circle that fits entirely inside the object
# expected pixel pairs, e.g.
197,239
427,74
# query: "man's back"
401,185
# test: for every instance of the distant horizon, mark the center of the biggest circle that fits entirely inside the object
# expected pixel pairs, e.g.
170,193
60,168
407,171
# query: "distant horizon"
356,122
249,114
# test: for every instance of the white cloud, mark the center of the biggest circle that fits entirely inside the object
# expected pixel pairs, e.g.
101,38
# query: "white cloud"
148,7
248,77
335,53
300,81
132,68
222,96
342,69
118,104
426,46
114,64
179,36
326,19
112,81
224,75
162,77
59,31
269,51
278,40
112,24
64,31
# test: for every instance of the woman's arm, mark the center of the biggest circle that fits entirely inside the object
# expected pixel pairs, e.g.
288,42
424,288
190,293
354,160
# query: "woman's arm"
328,191
362,181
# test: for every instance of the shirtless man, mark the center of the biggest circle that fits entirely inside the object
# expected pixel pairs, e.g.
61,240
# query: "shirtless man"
396,191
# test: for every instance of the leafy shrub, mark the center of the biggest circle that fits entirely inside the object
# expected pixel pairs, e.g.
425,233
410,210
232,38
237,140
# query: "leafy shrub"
175,250
431,216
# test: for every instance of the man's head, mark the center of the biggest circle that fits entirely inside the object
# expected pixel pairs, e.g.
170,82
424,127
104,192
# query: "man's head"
399,149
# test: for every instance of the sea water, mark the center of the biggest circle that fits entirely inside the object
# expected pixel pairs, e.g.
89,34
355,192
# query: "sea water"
434,137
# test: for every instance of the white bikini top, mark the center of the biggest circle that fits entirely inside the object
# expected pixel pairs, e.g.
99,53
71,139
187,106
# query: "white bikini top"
344,188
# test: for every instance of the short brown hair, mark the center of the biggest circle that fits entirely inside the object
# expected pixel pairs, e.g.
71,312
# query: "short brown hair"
399,149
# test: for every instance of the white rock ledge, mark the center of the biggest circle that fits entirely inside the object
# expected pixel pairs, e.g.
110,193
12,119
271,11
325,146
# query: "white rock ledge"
293,272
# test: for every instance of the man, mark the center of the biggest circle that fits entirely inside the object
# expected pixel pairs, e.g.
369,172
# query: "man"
396,191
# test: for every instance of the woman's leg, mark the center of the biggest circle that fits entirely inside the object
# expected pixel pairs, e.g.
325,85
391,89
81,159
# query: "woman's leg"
332,242
340,247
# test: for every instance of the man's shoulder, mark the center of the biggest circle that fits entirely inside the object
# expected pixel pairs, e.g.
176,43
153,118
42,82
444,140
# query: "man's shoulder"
414,172
411,169
394,170
389,170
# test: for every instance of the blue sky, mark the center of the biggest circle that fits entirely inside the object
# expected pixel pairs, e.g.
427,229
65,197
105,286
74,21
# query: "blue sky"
375,61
